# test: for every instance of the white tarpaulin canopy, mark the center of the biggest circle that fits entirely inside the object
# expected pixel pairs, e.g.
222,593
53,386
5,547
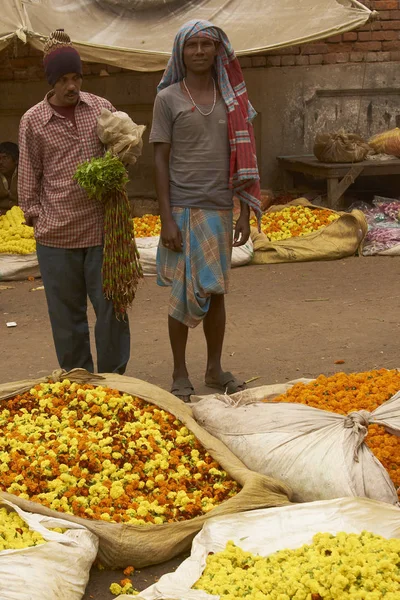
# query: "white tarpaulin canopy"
138,34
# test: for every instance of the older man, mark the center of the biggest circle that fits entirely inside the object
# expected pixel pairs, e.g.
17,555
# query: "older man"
204,151
55,136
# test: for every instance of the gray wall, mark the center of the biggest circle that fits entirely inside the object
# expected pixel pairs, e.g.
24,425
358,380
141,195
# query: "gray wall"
293,104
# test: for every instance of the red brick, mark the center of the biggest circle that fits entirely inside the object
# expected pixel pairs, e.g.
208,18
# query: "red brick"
394,14
394,25
384,4
357,56
373,26
350,36
283,51
342,57
24,63
389,46
35,52
395,55
95,68
329,59
377,56
334,39
303,60
114,69
21,74
369,46
288,61
316,49
245,61
365,36
385,35
6,73
273,61
385,15
258,61
317,59
21,50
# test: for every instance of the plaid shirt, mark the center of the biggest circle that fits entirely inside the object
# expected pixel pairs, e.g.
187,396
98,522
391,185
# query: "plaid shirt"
50,150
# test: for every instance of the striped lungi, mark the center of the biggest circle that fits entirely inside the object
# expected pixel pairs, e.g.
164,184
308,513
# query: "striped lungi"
202,268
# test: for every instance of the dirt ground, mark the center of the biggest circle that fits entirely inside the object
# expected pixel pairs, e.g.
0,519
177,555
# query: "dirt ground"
284,321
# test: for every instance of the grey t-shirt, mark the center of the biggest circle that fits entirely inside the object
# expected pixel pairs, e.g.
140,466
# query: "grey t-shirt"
199,158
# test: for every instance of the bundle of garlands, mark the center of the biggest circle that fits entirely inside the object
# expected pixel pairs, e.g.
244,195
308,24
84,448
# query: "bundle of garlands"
105,179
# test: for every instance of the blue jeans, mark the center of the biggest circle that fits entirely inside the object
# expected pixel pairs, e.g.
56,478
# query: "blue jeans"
69,276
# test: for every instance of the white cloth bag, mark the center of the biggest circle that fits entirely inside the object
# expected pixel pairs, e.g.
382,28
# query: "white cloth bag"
268,530
56,570
319,454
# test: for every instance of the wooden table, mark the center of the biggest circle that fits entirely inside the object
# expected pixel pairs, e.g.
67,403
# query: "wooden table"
339,176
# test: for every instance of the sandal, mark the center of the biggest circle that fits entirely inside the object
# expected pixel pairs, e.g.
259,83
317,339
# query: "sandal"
182,389
226,383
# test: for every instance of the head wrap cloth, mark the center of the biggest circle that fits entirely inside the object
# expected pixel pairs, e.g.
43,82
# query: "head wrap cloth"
244,178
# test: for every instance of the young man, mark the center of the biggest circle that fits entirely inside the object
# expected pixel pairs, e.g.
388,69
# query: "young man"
55,136
204,151
9,155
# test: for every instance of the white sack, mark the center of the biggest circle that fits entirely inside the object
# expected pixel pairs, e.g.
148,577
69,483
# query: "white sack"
17,267
147,247
266,531
320,454
56,570
120,135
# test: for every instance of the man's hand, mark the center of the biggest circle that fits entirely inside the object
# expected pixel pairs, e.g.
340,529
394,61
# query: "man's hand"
171,235
31,221
242,229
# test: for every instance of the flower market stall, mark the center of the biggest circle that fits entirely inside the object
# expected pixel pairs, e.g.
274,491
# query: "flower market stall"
123,458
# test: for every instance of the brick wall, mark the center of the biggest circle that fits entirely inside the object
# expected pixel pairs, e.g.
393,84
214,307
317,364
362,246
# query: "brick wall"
378,41
21,62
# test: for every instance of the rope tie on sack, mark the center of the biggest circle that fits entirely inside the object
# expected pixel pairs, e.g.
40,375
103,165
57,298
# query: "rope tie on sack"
358,422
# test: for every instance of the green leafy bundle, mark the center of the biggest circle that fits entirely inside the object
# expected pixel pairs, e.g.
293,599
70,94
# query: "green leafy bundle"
100,176
104,179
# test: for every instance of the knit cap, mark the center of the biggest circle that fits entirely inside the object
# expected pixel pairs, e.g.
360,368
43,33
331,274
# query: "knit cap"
60,57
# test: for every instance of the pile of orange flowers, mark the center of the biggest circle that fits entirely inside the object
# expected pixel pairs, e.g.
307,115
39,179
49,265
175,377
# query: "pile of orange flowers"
147,226
101,454
294,221
345,393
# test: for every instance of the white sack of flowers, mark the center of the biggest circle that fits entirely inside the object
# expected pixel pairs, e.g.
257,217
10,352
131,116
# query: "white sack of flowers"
37,563
264,532
320,454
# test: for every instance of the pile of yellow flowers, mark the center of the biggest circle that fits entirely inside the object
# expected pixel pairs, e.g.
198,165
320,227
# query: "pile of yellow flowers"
346,566
15,533
147,226
102,454
15,237
294,221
